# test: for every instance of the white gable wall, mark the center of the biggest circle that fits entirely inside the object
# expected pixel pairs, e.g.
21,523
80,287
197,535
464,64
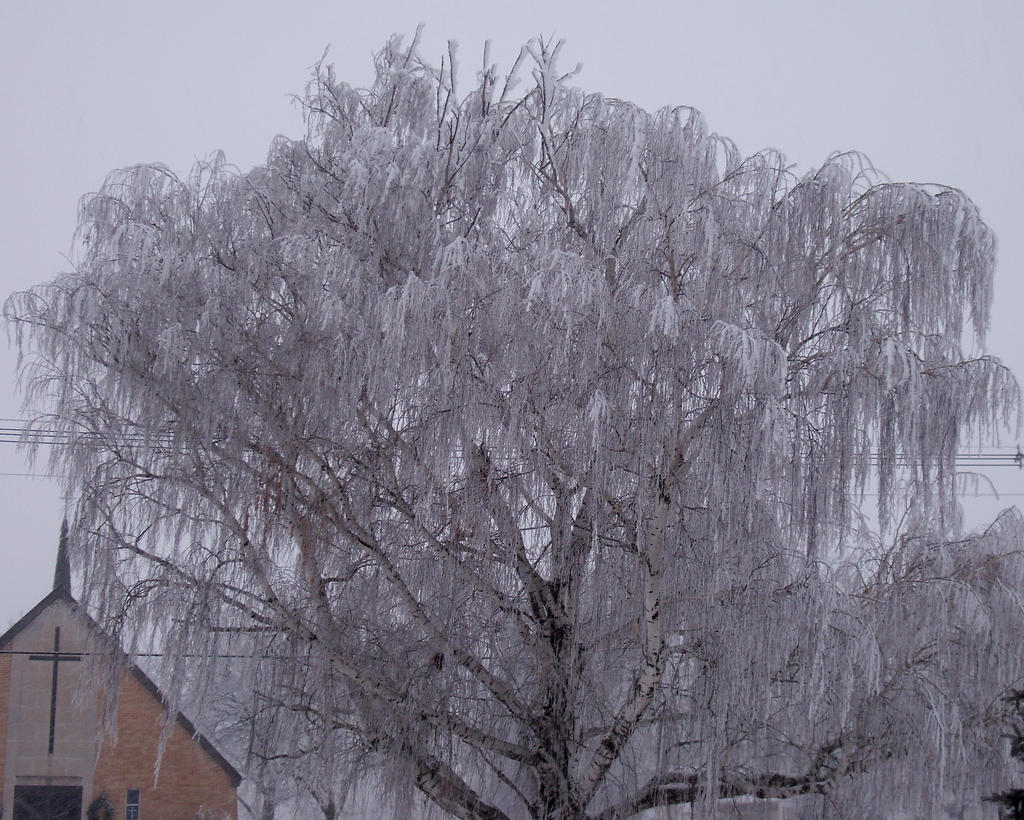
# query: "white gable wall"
28,761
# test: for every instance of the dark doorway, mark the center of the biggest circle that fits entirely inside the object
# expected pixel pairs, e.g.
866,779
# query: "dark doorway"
47,802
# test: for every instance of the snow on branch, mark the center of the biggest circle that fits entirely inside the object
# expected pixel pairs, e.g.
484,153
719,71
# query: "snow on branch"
519,439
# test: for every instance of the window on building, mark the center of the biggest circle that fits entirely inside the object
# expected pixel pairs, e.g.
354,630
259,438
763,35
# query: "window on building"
131,805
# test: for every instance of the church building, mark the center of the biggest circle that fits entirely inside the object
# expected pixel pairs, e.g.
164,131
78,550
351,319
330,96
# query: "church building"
55,761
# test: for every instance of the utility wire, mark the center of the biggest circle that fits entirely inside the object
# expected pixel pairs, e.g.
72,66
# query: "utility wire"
18,432
129,654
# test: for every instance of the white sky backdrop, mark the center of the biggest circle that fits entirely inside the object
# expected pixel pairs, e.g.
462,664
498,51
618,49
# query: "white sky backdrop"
930,91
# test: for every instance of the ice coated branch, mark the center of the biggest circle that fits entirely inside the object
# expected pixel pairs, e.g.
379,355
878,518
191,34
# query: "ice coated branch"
520,441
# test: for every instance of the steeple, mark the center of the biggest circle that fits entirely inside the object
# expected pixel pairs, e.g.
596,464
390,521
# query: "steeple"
62,572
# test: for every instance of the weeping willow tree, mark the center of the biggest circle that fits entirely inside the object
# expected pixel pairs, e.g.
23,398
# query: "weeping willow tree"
522,439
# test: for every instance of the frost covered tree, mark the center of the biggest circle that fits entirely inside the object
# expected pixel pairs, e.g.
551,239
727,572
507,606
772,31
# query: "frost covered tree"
526,433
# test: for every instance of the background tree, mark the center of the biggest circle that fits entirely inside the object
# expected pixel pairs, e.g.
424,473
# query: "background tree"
531,426
1012,799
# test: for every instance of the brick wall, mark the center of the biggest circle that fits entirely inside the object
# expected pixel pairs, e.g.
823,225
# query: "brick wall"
191,782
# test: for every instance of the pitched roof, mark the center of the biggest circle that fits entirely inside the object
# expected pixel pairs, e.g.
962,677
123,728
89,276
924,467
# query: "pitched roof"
60,593
55,594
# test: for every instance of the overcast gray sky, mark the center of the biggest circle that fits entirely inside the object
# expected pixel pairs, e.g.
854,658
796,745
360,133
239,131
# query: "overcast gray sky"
931,91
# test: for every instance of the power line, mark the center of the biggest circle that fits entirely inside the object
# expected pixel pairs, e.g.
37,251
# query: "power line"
130,654
24,434
19,432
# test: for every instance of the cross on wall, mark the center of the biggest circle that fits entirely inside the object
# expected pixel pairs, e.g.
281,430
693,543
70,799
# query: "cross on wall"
56,657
